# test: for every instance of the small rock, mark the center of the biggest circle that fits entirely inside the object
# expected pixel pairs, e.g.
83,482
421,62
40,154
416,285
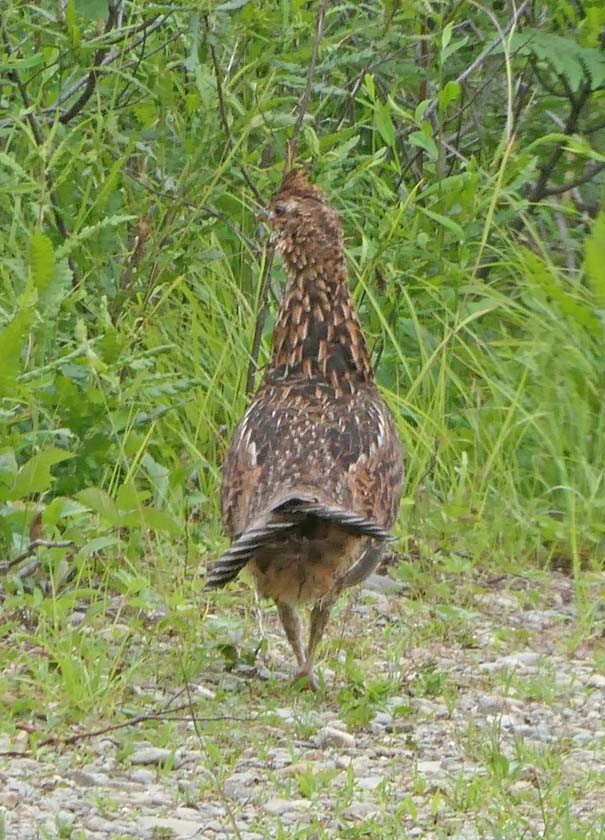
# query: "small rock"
207,693
105,746
284,714
329,736
153,755
359,811
179,828
185,813
298,768
370,782
103,826
581,738
429,768
83,778
521,788
382,720
143,777
596,681
279,807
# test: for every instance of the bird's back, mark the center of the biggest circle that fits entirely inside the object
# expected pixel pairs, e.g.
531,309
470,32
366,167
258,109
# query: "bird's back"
312,478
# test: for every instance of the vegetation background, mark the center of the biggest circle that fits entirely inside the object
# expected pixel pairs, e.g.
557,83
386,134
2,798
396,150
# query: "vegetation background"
463,143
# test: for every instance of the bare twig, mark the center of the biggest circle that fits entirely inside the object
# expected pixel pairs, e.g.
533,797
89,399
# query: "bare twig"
587,176
260,322
303,104
163,714
114,18
222,109
495,43
111,55
541,189
31,550
462,77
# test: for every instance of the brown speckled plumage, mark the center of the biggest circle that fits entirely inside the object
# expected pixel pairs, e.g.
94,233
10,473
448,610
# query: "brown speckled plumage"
312,478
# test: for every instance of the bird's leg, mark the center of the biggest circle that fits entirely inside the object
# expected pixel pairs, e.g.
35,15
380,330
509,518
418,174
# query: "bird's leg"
292,624
319,619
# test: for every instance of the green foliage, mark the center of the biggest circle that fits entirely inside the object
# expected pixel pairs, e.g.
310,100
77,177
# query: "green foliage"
469,182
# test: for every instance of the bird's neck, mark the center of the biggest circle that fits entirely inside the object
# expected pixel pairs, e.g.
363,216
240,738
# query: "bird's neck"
318,336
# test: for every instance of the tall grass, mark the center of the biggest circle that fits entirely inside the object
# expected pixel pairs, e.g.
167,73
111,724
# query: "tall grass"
127,341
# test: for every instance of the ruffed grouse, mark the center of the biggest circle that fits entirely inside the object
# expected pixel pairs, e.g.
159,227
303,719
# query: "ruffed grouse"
312,478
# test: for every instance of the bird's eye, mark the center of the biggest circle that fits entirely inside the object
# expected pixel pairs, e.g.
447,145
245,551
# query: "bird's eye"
279,209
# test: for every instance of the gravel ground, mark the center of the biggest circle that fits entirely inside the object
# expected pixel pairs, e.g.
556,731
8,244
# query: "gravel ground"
519,690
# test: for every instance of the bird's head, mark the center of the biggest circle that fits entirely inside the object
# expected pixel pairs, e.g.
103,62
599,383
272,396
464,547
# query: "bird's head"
298,215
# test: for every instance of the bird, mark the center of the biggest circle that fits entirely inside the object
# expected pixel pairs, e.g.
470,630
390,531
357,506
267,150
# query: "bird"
313,476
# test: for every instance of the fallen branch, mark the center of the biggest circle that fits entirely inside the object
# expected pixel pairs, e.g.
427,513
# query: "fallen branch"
161,715
31,550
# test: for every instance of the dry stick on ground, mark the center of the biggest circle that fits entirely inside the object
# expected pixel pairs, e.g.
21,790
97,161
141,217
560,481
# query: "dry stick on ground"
162,715
302,108
31,550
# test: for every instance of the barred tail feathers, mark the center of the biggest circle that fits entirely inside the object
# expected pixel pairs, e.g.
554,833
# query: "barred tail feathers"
285,515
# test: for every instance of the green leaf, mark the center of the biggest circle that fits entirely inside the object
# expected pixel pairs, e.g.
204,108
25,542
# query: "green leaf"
12,340
444,221
420,110
152,519
449,93
8,467
41,261
368,83
423,141
565,56
384,124
71,21
35,476
20,182
569,305
91,230
101,503
594,258
129,498
93,9
13,62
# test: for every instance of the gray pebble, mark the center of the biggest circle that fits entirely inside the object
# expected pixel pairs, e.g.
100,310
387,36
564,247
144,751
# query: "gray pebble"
329,736
154,755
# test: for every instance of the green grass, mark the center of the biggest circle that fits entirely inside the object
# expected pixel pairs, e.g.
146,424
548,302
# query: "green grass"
125,349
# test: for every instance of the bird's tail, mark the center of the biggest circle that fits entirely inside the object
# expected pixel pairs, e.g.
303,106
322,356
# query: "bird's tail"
285,516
